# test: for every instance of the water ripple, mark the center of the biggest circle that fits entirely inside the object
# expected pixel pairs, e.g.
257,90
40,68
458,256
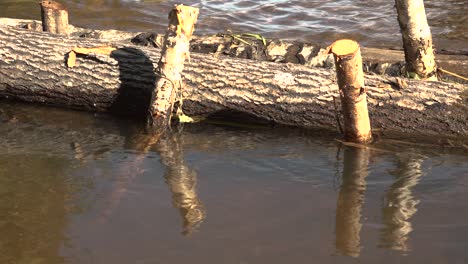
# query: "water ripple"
373,23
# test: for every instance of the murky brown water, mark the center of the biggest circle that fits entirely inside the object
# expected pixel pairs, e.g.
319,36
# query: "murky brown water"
373,23
83,188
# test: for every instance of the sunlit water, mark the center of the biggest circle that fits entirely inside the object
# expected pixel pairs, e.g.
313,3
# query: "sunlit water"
373,23
83,188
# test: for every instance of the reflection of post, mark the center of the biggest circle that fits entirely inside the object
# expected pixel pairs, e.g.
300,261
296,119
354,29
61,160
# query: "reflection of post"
400,204
129,171
350,200
182,182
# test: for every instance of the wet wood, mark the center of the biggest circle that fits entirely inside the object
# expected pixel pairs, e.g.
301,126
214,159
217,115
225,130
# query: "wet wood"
417,39
33,69
54,17
350,78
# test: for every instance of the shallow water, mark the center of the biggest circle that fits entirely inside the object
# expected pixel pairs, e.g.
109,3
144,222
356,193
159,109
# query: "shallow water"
83,188
373,23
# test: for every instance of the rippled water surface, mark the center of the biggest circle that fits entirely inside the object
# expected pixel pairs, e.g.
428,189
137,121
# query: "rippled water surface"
373,23
82,188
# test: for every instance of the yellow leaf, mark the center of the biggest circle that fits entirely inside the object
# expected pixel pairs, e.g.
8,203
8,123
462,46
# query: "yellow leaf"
186,119
71,61
105,50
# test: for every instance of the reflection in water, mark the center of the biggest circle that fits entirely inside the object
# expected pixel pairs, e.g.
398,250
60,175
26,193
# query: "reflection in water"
33,208
55,166
400,204
128,172
182,182
179,177
350,200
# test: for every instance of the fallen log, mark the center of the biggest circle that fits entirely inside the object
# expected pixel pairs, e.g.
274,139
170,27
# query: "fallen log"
33,69
375,60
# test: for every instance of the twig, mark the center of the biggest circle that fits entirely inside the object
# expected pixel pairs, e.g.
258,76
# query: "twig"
337,116
453,74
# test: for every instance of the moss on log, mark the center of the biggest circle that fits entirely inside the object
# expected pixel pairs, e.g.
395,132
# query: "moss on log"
32,68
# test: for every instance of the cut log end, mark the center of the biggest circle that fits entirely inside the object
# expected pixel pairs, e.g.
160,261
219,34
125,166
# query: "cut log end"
344,47
54,17
185,17
350,78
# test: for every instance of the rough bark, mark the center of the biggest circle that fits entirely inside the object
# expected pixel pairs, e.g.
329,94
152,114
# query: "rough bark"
417,38
32,68
375,60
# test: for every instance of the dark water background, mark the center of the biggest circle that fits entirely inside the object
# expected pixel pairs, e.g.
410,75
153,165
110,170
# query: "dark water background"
373,23
88,188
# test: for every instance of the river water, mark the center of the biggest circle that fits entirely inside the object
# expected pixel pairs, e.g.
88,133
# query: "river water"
373,23
88,188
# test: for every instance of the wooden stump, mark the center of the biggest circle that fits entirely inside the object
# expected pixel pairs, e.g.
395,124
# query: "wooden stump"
417,39
54,17
175,50
350,78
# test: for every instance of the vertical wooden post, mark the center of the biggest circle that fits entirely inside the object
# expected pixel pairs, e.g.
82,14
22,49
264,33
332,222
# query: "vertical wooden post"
54,17
350,76
417,39
350,201
175,50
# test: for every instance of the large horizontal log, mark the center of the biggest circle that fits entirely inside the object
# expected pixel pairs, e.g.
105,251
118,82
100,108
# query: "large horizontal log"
376,60
32,68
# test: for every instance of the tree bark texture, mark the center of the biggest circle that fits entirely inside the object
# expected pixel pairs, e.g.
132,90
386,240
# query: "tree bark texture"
417,38
375,60
33,69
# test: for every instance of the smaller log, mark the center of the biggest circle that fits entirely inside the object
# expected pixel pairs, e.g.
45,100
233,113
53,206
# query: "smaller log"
417,39
54,17
176,48
350,78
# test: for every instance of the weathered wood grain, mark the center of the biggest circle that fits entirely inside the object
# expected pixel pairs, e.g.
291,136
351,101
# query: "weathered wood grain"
32,68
